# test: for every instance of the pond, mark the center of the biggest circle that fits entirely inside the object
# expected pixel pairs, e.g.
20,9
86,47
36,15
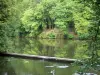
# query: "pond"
18,66
15,66
44,47
48,47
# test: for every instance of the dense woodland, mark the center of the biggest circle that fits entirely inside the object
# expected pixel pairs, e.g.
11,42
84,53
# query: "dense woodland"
71,18
67,19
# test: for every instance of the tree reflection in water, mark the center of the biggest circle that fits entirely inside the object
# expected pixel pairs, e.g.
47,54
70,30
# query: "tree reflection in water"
6,69
92,63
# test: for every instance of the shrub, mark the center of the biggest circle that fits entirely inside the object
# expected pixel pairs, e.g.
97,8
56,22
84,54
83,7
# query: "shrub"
70,36
83,36
51,35
65,35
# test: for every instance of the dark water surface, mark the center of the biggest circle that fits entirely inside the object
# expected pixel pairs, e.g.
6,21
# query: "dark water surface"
44,47
48,47
15,66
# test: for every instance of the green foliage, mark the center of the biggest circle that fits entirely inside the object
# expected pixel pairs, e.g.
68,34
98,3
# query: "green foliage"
65,35
51,35
70,36
63,14
82,19
17,9
3,37
84,36
93,32
58,14
34,18
10,13
3,25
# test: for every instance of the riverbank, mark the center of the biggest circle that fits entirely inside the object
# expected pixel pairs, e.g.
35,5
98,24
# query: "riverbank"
57,34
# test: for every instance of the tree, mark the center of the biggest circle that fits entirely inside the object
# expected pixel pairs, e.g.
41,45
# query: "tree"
58,14
94,35
17,9
3,24
62,14
35,19
82,19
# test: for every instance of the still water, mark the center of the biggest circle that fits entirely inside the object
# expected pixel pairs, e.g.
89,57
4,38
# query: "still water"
48,47
44,47
15,66
18,66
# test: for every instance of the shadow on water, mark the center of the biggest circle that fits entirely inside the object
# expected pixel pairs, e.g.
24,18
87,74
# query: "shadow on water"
45,47
92,62
15,66
5,67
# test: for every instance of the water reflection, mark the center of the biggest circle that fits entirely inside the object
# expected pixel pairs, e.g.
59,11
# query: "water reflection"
15,66
55,47
85,74
6,69
47,47
91,63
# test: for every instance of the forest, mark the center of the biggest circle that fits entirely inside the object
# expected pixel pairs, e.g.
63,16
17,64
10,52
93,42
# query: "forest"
52,19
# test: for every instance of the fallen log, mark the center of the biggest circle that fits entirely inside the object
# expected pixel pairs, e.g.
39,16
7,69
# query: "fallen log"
56,59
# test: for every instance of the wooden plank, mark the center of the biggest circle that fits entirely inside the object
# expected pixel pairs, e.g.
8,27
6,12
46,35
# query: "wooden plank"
66,60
